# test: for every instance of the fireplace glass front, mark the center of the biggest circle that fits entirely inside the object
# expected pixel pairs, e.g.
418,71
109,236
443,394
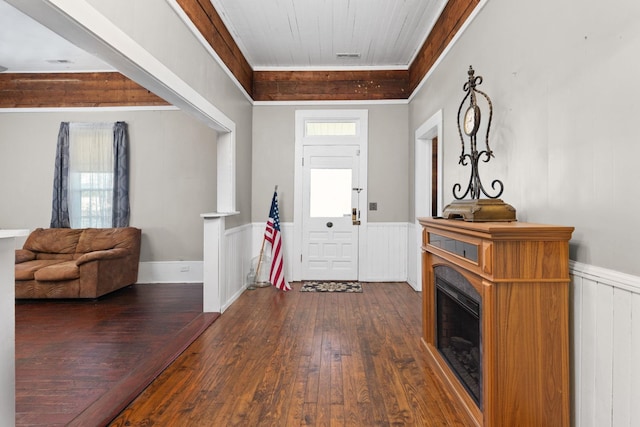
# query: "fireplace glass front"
458,338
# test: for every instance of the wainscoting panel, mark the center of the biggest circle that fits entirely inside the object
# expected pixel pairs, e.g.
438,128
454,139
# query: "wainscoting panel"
385,252
385,257
606,347
237,258
414,243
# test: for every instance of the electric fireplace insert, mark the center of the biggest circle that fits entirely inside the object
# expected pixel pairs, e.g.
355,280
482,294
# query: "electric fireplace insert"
458,337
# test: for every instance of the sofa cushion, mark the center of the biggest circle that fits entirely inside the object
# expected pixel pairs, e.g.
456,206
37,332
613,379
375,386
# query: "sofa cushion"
102,255
23,255
57,257
67,270
53,240
26,270
100,239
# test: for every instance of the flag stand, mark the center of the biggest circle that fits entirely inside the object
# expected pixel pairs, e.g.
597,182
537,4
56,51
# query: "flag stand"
262,284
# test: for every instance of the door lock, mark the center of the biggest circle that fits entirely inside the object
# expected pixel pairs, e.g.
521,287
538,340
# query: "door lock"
354,216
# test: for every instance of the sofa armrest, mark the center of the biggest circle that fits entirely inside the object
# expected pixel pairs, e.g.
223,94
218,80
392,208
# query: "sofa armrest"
100,255
24,255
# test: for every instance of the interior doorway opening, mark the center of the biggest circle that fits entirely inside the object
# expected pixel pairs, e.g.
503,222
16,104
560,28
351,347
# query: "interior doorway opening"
428,181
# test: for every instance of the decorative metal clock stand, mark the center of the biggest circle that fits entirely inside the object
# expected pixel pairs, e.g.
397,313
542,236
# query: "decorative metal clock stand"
474,208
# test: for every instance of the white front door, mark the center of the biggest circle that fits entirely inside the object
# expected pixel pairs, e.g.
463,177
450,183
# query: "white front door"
330,200
331,161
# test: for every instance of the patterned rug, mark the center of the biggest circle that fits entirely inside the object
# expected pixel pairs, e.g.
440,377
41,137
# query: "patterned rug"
331,287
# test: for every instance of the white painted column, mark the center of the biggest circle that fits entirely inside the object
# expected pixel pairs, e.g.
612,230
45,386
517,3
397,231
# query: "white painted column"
213,274
8,329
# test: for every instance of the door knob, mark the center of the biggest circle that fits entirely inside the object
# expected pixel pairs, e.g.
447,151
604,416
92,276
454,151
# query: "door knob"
329,224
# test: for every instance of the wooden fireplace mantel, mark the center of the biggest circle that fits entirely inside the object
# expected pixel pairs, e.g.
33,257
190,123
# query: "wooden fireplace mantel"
521,272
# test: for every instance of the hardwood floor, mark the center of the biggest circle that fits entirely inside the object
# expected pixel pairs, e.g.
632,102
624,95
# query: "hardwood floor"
298,358
80,362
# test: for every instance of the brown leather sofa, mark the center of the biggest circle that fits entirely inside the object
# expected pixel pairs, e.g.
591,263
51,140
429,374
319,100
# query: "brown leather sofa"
77,263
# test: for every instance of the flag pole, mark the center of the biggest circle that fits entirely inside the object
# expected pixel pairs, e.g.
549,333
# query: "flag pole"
260,259
275,190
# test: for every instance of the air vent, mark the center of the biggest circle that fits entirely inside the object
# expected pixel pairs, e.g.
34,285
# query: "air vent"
347,55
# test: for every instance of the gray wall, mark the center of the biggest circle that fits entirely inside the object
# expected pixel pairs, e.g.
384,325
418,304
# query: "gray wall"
273,160
156,27
173,155
173,175
562,78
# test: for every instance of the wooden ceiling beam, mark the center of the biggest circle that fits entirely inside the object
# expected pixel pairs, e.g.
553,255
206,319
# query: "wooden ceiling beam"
329,85
208,22
38,90
114,89
454,14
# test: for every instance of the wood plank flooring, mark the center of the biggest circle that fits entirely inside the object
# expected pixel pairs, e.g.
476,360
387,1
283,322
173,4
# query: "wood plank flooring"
298,358
80,362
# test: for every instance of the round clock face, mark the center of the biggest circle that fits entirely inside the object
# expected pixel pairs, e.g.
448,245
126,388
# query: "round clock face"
471,120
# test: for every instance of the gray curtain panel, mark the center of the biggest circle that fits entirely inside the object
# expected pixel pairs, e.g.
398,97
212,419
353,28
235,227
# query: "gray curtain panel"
120,175
60,205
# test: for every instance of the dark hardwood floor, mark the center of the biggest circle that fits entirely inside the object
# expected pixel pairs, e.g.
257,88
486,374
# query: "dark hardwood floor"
80,362
297,358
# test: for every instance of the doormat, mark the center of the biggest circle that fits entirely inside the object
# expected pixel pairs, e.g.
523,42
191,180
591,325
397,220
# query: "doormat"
331,287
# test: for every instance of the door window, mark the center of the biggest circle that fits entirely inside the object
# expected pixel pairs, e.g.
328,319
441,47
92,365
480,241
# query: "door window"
330,193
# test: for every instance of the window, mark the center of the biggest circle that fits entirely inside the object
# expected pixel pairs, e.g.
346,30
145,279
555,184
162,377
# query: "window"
336,128
90,174
91,180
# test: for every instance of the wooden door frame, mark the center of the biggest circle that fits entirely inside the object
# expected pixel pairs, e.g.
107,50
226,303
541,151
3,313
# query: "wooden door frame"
362,140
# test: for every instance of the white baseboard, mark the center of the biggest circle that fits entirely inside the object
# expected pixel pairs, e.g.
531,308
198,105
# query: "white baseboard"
170,272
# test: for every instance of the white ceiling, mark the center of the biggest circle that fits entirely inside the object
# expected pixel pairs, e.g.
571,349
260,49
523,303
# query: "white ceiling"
27,46
295,34
272,34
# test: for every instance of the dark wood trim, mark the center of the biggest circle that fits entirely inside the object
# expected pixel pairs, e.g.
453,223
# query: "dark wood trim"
38,90
114,89
448,24
206,19
329,85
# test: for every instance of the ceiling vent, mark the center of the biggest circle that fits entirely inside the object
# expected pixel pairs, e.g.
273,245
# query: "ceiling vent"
59,61
347,55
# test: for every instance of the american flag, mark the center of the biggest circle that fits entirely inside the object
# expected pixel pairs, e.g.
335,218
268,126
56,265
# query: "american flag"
272,235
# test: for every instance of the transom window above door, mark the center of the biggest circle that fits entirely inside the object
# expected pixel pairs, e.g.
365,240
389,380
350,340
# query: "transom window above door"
337,128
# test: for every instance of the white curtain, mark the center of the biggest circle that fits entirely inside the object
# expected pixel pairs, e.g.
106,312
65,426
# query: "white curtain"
90,174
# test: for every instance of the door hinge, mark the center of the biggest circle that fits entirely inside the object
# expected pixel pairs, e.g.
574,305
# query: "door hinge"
303,161
300,257
358,152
